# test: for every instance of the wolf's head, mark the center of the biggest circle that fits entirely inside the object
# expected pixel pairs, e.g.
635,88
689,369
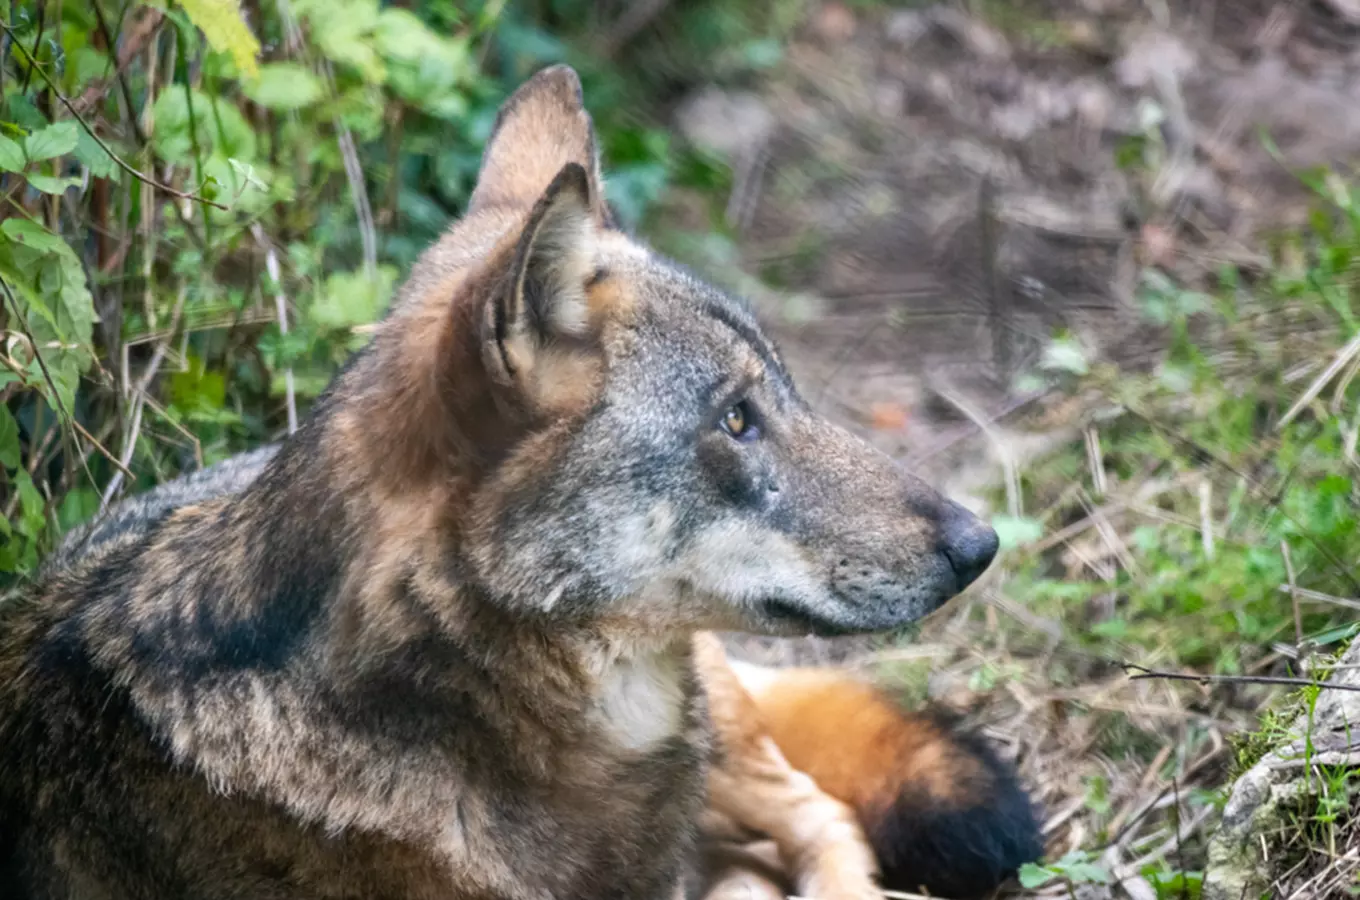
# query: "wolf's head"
594,433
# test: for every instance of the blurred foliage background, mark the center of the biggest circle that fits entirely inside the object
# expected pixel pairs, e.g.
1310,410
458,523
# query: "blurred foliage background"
205,205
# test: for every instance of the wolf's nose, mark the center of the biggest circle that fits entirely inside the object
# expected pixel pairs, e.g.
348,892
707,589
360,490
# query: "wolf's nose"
967,542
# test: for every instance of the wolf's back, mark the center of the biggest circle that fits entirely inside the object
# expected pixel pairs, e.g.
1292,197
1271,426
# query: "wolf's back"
132,518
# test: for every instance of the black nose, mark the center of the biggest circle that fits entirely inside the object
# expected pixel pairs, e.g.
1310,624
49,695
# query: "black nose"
967,542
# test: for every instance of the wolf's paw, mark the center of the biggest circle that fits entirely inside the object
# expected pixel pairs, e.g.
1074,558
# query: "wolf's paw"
843,868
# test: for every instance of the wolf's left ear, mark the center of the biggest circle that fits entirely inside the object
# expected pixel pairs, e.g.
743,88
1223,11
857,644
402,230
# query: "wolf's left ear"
542,127
537,323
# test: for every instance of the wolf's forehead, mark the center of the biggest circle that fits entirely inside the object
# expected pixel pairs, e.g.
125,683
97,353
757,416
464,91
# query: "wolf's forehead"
705,335
671,293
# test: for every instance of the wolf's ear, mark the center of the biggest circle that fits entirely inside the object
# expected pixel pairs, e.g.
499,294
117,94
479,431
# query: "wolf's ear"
541,128
537,323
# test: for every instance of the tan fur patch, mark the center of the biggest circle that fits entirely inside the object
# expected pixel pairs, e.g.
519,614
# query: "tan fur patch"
610,299
818,835
880,748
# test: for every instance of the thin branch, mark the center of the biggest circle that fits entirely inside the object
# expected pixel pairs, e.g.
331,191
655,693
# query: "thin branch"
37,354
37,42
119,74
139,398
1339,362
271,265
118,160
104,451
1141,673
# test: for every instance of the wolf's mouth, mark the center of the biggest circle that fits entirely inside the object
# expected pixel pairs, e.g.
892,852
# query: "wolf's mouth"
800,620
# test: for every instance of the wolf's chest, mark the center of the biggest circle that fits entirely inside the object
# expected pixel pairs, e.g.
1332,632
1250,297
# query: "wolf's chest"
644,700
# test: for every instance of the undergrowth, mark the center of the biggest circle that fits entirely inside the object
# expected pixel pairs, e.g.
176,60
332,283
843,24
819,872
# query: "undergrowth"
1206,521
1211,515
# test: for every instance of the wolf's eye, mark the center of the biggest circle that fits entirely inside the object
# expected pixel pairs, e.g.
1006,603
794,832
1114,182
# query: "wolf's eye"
739,423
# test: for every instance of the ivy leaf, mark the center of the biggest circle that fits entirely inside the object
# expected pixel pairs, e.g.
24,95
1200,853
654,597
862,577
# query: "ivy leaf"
52,141
12,157
226,30
9,439
31,504
32,235
94,157
53,184
284,86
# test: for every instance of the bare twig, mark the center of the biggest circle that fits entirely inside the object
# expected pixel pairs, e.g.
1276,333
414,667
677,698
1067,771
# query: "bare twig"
998,298
118,160
1008,465
271,265
1141,673
1294,600
1095,460
354,171
142,32
1318,596
139,397
37,42
110,41
1339,362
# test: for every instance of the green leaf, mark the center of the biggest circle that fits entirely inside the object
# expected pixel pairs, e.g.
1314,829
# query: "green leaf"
52,184
284,86
77,506
343,30
248,176
351,298
225,28
94,157
1035,876
1016,532
220,127
52,141
31,504
31,234
12,157
1064,354
1087,873
9,439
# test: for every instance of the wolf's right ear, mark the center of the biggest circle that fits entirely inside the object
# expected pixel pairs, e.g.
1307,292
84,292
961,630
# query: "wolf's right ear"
537,322
543,127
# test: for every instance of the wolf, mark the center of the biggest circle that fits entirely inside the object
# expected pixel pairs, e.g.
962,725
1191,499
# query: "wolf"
453,638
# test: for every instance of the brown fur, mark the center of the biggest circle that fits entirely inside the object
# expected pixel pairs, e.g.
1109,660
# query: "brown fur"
439,643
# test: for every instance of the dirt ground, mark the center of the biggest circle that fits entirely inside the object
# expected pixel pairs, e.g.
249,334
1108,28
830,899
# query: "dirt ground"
935,192
925,196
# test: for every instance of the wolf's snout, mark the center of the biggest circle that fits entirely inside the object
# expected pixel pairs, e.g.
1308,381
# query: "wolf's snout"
967,542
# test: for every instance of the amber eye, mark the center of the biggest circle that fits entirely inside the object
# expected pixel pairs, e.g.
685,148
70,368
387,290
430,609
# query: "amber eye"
738,422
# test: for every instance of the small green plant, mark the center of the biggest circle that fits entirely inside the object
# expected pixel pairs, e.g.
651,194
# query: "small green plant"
1074,868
